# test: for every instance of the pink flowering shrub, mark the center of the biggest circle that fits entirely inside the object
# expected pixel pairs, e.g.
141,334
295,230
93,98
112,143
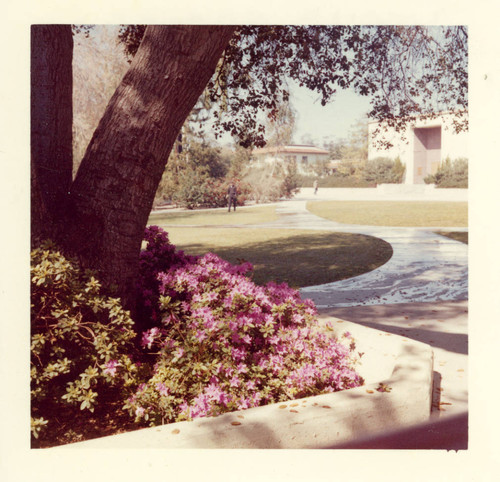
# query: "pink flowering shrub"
158,256
223,343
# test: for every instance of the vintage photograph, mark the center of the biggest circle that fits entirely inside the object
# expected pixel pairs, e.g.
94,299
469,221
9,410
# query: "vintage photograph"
246,229
254,231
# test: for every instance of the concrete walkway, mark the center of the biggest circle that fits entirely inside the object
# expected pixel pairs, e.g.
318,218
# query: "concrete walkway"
409,276
420,293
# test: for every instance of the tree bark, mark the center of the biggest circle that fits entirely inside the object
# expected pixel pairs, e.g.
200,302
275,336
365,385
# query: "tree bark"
114,189
51,124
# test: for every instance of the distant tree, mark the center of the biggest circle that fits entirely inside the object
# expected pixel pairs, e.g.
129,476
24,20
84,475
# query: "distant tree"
307,139
383,170
239,161
99,65
188,169
280,125
354,152
451,174
334,147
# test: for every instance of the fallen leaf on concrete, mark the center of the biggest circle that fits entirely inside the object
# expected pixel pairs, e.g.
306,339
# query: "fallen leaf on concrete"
369,391
294,411
176,431
282,406
382,387
235,423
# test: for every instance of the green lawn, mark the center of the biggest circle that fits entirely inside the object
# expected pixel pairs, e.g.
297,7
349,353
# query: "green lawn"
298,257
393,213
250,215
456,235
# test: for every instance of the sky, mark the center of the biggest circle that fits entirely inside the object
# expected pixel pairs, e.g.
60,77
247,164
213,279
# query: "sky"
333,120
316,124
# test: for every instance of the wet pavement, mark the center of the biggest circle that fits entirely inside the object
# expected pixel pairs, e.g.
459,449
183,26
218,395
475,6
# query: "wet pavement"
420,293
424,267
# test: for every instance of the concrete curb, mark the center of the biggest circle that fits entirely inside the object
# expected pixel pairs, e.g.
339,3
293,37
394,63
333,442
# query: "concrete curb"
404,366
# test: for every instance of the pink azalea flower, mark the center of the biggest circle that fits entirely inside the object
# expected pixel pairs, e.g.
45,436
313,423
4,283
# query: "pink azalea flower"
162,389
292,351
234,382
111,367
251,385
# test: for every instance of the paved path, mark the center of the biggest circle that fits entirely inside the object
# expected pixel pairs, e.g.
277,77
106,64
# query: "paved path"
442,325
425,266
420,293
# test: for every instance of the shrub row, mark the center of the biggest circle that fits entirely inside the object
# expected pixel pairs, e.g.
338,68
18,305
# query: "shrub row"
381,170
451,174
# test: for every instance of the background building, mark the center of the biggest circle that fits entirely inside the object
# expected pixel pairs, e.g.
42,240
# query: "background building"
421,146
304,155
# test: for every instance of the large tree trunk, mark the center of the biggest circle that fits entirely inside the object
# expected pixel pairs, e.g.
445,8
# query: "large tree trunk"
51,124
114,189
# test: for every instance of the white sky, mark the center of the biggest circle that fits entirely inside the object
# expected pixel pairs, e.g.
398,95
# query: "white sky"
333,120
317,124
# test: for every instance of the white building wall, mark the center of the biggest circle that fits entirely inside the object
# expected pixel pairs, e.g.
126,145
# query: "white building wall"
453,145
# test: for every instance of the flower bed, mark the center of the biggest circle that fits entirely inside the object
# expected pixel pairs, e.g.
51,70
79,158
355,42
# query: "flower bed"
211,341
397,394
223,343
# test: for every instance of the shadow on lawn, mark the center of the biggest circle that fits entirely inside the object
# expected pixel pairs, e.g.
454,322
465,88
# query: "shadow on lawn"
306,259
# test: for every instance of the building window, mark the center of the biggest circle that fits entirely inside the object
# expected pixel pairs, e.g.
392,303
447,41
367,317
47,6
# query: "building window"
304,159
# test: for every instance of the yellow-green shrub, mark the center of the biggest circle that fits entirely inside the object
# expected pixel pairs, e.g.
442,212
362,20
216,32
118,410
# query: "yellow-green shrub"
81,341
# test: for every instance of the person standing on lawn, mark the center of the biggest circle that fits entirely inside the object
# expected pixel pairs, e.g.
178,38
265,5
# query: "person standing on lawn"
231,194
315,185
